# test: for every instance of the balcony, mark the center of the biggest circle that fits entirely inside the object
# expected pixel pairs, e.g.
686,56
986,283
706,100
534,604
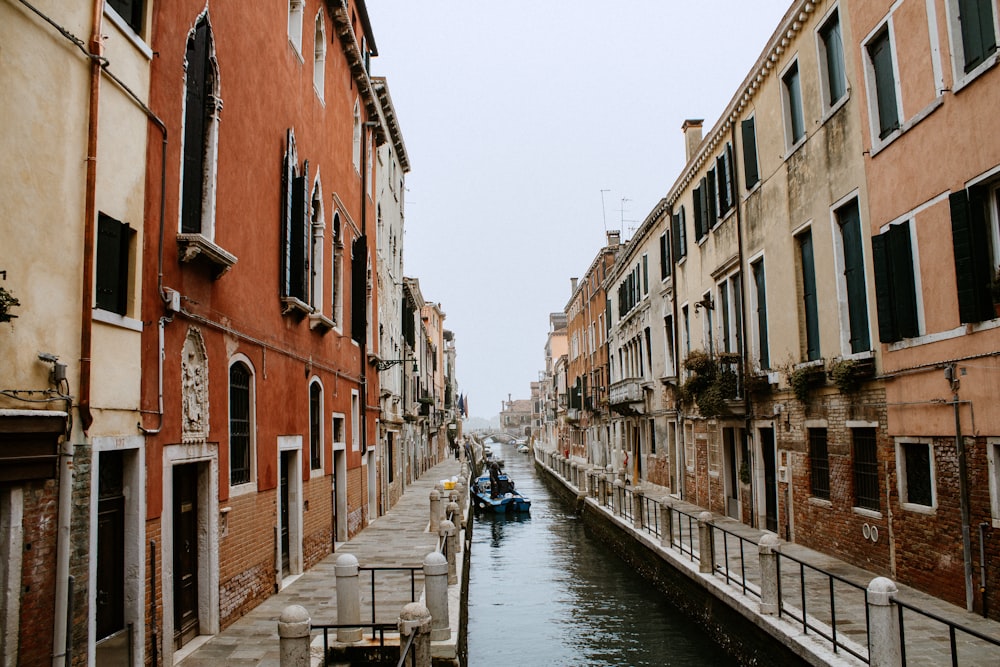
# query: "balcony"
626,397
573,415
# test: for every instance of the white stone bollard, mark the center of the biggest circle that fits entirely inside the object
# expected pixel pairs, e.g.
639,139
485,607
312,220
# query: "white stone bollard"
348,598
706,544
415,619
293,636
638,506
435,510
458,519
602,490
767,551
447,533
436,594
619,496
666,524
884,649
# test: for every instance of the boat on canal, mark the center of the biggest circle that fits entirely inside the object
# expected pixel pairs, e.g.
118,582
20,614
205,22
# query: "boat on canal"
494,491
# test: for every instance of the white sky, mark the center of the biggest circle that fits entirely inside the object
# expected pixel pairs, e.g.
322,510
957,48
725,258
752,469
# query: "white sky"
515,116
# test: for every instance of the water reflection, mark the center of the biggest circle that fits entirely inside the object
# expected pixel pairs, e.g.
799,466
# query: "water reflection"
542,592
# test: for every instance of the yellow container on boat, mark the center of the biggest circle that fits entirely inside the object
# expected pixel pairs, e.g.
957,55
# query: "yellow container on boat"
448,484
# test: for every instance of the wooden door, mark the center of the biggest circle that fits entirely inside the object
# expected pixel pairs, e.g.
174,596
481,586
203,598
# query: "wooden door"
185,553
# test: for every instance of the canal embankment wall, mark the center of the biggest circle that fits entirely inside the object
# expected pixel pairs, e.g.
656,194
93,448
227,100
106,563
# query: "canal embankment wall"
731,619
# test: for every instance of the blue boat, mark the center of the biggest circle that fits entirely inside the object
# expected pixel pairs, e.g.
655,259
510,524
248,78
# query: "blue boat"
494,491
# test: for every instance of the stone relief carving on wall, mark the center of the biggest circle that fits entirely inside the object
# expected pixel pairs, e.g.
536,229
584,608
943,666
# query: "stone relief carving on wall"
194,387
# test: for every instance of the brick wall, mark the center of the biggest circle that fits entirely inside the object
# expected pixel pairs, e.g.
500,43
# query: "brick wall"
38,572
317,521
246,555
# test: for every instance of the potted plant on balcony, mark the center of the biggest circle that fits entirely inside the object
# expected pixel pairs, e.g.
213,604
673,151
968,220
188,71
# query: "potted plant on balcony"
7,301
706,387
803,377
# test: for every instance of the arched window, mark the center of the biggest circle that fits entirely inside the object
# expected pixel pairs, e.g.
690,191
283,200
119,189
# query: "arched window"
315,426
336,282
319,56
356,154
241,412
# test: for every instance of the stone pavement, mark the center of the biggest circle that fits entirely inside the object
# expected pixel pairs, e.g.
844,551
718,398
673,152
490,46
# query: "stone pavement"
397,539
927,640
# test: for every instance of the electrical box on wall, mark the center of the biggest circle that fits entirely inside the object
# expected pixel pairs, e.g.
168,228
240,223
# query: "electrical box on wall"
172,299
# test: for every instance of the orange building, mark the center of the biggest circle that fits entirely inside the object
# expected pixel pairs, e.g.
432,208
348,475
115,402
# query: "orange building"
930,93
259,302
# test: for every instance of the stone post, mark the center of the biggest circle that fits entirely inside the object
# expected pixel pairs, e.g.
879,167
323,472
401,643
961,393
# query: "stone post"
616,502
436,594
666,524
415,619
883,624
767,550
446,532
348,598
706,544
458,519
602,490
435,510
638,507
293,636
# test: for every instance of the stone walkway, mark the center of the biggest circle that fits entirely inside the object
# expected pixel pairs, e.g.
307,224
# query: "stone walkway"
397,539
927,640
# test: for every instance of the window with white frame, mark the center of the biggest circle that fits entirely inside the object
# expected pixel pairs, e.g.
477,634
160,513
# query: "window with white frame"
319,55
993,460
315,425
759,315
336,277
115,248
131,11
356,425
297,232
356,138
241,424
791,97
833,79
973,34
689,453
669,351
975,230
881,78
296,9
730,305
915,461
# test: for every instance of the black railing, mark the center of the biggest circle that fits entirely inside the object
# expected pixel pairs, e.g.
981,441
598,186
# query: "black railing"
814,596
378,630
736,573
407,651
413,583
676,521
953,630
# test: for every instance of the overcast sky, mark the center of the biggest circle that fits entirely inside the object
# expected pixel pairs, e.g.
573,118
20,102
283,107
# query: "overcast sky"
516,115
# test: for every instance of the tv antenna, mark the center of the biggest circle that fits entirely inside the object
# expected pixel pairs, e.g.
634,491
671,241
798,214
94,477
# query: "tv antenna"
604,214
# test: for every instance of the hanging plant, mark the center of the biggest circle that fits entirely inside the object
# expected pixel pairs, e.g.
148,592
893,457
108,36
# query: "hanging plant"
7,301
803,379
709,385
745,472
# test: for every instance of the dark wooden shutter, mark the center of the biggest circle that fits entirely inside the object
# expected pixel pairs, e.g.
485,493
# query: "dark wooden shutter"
359,288
664,257
296,258
761,293
698,199
903,289
885,84
730,182
645,274
287,186
978,35
305,232
887,330
809,297
112,264
854,274
682,242
195,124
834,46
972,263
712,197
750,152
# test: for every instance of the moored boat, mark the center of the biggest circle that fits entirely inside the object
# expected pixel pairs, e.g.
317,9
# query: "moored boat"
494,491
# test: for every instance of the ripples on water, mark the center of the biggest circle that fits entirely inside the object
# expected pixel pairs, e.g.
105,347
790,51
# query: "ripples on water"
543,592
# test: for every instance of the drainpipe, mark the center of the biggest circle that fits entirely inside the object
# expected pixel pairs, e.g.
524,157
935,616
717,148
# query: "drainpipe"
364,340
951,373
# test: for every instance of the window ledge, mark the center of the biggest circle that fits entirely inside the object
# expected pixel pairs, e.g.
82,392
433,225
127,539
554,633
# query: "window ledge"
191,246
291,305
919,509
116,320
243,489
320,322
967,78
820,502
871,514
130,34
835,107
878,147
815,363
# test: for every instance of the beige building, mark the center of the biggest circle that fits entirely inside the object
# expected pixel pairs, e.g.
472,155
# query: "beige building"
75,186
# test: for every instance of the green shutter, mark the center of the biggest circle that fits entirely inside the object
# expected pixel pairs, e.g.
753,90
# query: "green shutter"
809,297
978,35
359,288
750,152
834,46
903,289
712,197
854,274
112,239
972,264
698,212
887,330
885,84
675,236
682,243
761,293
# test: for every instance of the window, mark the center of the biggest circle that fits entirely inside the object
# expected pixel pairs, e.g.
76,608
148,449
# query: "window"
975,232
319,56
679,236
791,91
831,61
809,300
201,120
240,424
760,322
895,291
315,426
751,169
131,11
819,464
336,272
978,32
848,219
645,275
993,463
356,142
730,307
725,187
355,422
689,454
665,255
883,77
916,474
295,11
699,208
865,455
687,331
668,337
652,436
296,229
114,253
390,454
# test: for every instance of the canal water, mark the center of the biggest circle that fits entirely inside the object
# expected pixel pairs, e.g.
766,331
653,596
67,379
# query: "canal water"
543,592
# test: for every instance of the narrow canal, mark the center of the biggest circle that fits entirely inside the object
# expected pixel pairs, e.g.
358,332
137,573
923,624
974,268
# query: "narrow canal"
543,592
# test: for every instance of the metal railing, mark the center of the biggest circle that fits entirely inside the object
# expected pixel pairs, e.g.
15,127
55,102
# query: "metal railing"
676,521
413,585
407,651
649,510
378,630
736,573
921,625
809,599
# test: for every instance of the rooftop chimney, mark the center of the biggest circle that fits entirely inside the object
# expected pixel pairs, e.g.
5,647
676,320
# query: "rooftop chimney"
614,238
692,137
573,283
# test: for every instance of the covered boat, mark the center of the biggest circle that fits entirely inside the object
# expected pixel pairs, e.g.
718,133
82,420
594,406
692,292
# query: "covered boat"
493,491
